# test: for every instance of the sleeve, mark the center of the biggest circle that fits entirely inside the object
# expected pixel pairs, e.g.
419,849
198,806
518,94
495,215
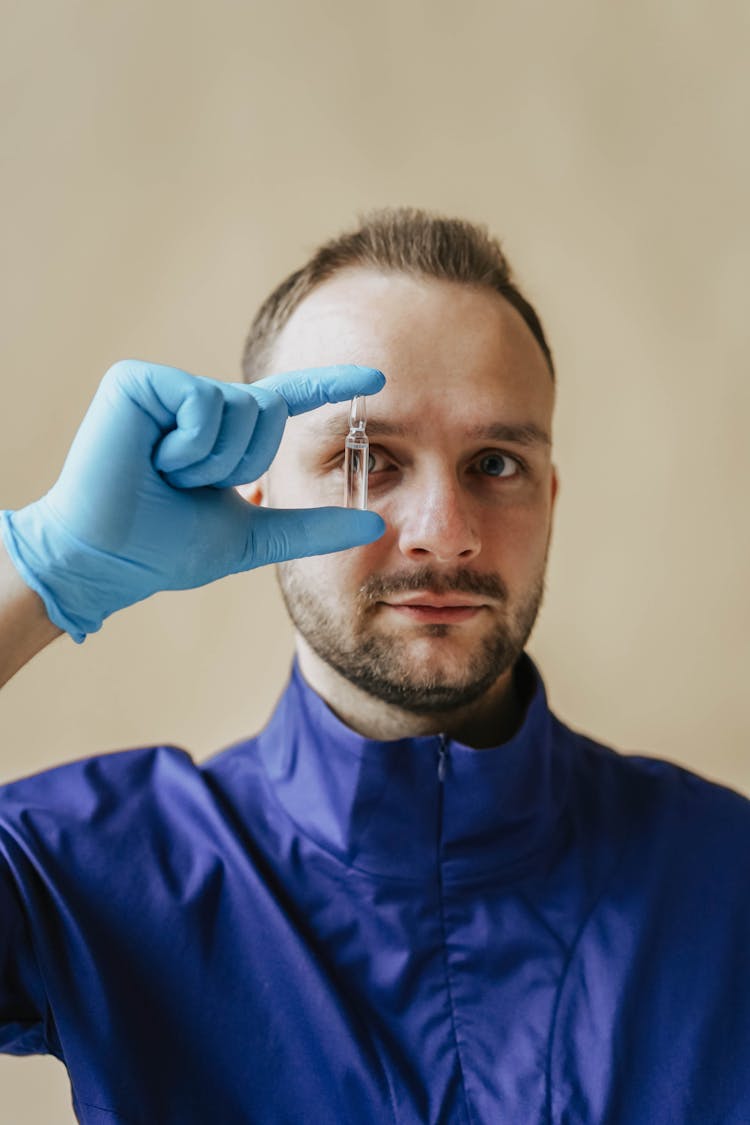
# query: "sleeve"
69,879
22,1003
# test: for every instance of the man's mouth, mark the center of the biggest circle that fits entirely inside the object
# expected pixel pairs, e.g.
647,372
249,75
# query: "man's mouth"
436,609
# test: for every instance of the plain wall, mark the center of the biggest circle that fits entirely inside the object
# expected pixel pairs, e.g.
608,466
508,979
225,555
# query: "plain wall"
165,165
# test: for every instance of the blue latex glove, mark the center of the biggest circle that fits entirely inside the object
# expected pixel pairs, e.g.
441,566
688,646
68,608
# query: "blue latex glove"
144,501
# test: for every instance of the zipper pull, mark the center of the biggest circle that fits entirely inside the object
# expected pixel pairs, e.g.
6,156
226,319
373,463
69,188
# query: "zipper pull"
442,755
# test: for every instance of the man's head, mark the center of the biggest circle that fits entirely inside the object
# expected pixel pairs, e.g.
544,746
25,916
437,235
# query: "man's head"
460,463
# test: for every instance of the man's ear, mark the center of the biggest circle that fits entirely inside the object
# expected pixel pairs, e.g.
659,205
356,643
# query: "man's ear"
555,485
253,493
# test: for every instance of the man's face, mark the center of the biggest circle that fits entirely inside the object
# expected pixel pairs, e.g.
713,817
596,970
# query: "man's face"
431,615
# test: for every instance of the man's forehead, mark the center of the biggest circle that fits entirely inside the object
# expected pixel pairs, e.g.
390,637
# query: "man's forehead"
356,301
357,290
363,315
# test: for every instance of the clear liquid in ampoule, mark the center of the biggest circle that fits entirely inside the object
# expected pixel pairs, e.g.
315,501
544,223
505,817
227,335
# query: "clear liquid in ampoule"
356,456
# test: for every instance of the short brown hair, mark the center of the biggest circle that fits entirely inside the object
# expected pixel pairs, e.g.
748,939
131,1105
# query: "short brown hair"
400,239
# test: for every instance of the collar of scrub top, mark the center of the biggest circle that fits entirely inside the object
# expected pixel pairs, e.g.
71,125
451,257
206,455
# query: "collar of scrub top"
381,807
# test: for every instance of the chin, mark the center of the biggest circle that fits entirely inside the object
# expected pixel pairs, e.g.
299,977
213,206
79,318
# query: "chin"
436,653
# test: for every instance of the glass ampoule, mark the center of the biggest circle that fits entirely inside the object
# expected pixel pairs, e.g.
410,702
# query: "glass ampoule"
356,456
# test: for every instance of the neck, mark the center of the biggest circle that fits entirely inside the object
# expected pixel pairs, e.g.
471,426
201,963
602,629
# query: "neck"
488,721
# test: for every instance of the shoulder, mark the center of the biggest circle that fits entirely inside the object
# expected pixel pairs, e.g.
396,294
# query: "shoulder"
96,790
102,825
661,809
99,771
668,784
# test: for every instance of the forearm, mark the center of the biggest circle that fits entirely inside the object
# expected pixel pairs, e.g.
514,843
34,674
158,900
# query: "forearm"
25,628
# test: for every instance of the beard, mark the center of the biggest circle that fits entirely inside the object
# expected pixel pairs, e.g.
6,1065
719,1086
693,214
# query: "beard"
386,665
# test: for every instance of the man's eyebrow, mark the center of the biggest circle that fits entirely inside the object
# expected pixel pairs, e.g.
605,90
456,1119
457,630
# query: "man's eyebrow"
522,433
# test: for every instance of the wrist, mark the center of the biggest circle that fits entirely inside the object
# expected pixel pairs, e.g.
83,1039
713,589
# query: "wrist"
46,563
25,628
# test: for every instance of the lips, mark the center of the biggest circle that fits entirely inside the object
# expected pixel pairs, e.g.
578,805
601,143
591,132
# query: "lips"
436,609
437,601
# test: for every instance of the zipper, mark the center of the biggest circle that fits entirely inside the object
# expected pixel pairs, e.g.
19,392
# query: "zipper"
466,1116
442,757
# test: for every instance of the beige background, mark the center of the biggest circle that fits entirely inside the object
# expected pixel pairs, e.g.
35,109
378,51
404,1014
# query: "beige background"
165,164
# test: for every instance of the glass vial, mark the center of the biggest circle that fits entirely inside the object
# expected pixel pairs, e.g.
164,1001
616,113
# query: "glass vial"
356,456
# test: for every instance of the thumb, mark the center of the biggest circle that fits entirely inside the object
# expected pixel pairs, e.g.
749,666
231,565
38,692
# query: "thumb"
278,534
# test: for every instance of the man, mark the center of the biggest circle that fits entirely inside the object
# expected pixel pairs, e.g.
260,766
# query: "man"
416,896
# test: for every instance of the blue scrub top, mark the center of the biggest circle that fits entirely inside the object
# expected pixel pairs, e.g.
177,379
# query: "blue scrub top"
317,927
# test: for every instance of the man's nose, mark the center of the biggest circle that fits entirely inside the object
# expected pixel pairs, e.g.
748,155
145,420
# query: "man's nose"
438,521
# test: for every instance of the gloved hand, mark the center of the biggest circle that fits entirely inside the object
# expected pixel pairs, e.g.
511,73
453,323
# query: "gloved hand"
144,501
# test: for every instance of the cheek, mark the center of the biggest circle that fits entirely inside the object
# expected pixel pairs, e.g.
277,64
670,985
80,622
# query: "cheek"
293,485
333,578
330,488
518,541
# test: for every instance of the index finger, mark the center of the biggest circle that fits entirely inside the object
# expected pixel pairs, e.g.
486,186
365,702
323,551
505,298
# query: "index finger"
314,386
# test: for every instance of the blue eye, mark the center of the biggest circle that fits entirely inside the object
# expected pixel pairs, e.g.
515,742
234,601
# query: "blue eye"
498,465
